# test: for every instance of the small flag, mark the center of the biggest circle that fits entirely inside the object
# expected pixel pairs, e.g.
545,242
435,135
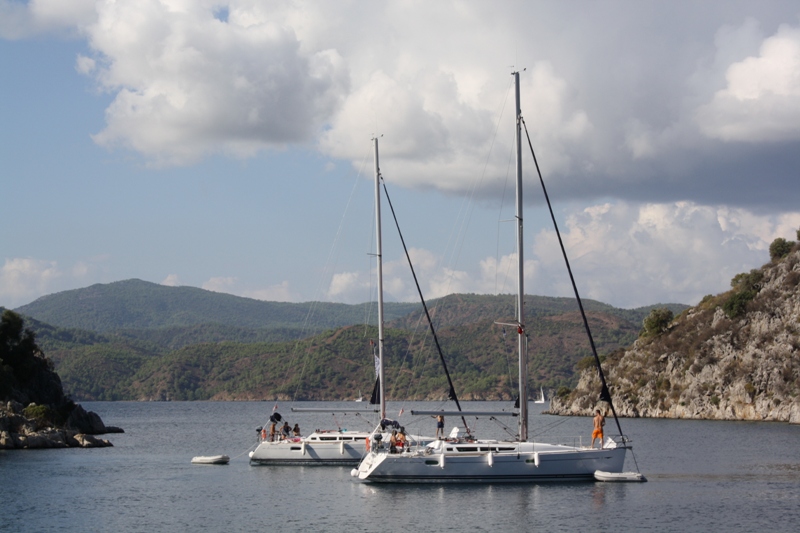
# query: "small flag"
401,412
275,408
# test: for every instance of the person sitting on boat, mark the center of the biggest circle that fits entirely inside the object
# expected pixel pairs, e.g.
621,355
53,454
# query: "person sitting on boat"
599,422
401,440
296,430
285,431
393,442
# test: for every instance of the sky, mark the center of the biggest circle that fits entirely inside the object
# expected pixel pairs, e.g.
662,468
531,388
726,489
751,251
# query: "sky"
228,145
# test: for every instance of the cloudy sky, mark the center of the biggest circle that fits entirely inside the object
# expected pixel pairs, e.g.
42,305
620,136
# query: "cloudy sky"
227,144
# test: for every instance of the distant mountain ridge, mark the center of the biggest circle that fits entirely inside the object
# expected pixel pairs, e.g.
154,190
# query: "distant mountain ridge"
135,340
137,304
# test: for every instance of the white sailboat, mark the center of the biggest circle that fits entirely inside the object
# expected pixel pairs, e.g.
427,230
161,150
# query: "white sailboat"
333,447
464,460
541,397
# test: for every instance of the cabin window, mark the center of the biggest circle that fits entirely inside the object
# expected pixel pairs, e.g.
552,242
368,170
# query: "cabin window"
295,448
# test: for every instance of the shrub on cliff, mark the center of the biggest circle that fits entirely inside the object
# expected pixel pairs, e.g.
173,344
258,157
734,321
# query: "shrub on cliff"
656,322
780,248
745,287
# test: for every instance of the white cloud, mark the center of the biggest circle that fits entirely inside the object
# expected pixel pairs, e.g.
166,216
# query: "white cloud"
171,281
280,292
344,284
220,284
274,293
24,279
609,112
761,101
628,255
20,20
438,126
633,255
188,85
85,65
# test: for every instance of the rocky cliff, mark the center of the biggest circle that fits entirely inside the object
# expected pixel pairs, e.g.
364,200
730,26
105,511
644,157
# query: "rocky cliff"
735,356
34,412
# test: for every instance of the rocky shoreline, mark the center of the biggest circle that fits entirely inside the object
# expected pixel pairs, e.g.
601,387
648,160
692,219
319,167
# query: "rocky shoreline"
34,411
711,362
21,432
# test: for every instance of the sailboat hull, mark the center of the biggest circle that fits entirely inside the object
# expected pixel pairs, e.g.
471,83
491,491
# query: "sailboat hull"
529,464
337,449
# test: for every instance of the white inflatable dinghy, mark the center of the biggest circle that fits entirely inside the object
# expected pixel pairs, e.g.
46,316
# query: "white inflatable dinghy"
599,475
211,460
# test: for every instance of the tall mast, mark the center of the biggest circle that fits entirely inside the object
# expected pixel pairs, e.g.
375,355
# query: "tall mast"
523,356
379,255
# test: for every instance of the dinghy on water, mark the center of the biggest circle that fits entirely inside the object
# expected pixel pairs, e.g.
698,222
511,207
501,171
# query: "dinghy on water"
210,460
599,475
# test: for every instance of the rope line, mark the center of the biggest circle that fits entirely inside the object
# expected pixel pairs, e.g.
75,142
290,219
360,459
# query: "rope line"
605,395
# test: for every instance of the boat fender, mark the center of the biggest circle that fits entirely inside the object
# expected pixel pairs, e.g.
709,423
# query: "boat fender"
490,458
263,434
536,459
341,447
441,460
303,448
366,443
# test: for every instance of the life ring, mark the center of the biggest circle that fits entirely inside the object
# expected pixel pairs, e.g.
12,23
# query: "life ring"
366,442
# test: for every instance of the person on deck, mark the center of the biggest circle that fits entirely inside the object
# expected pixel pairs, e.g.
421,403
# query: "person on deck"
285,430
439,426
599,422
401,441
393,442
296,430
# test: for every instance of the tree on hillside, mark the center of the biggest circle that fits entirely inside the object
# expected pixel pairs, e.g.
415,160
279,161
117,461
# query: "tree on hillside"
780,248
26,375
656,322
17,351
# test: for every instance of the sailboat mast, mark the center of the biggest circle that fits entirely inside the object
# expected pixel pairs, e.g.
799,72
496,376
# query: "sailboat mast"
523,356
379,255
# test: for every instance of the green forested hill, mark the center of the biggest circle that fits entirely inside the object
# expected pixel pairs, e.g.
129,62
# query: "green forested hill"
137,304
461,309
180,343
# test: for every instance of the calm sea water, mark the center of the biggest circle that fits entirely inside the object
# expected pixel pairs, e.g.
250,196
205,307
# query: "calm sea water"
703,476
